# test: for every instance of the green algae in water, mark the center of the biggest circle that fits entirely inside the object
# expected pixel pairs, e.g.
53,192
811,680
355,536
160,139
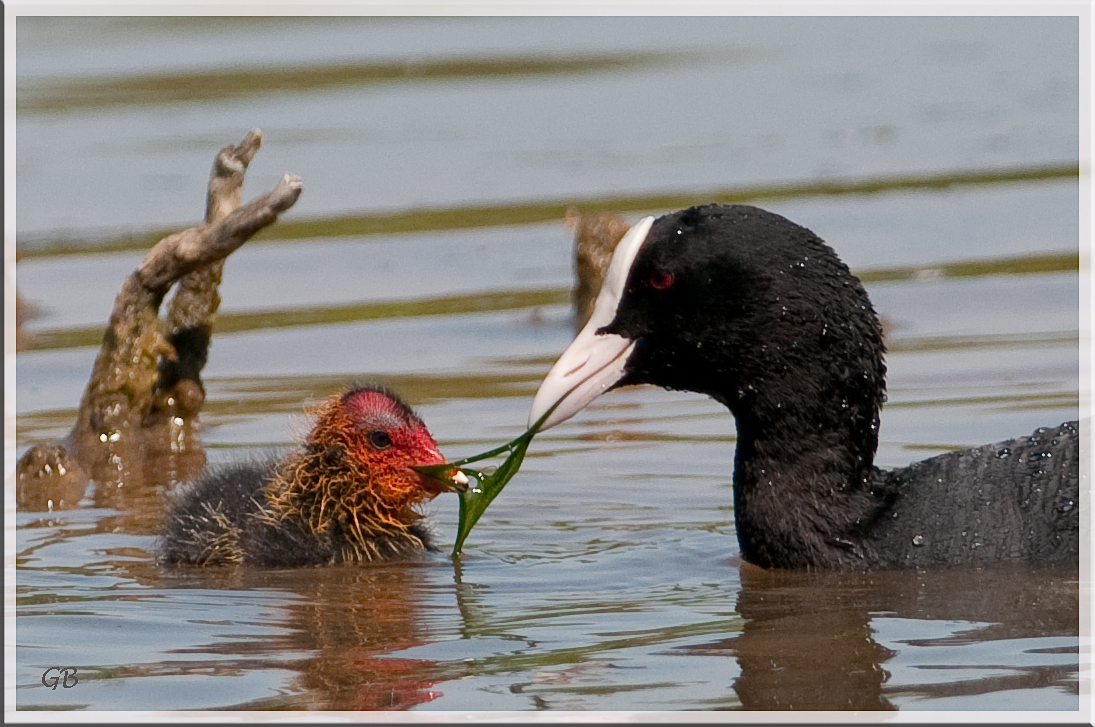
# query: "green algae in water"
482,488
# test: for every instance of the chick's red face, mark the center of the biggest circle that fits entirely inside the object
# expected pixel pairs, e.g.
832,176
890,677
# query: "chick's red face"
388,439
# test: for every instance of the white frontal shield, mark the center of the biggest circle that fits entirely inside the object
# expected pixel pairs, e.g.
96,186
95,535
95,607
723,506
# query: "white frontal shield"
592,362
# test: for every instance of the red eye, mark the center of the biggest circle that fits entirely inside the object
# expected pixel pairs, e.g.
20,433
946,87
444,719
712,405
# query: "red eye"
660,279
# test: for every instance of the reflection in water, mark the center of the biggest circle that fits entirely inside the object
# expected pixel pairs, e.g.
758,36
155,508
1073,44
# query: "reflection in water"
351,622
356,619
810,641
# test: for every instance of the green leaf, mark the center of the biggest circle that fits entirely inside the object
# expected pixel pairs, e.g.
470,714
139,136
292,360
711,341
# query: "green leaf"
482,488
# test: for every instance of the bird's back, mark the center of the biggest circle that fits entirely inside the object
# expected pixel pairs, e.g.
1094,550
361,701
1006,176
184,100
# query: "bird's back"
206,517
1014,501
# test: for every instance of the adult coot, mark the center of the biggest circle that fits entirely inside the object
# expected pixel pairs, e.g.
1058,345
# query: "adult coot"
350,494
757,312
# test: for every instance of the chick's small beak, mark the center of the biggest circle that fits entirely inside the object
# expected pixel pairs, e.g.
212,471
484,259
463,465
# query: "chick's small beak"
445,477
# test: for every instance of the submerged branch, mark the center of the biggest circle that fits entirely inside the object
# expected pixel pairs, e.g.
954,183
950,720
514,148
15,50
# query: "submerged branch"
145,390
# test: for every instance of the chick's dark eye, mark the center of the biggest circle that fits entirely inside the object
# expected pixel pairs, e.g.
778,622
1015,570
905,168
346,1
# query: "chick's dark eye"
379,439
659,279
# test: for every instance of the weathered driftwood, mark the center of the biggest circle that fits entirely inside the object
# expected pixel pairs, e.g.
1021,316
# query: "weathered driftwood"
24,312
194,306
595,238
145,389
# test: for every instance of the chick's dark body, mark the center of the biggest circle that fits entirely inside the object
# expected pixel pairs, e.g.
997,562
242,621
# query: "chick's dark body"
224,519
349,494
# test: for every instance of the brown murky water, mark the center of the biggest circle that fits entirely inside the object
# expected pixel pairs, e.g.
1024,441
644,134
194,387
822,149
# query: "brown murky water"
938,156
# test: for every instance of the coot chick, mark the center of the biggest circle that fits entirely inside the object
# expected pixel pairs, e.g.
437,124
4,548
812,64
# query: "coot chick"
349,495
757,312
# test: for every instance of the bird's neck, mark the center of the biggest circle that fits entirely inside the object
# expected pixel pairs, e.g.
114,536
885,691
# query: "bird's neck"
803,478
